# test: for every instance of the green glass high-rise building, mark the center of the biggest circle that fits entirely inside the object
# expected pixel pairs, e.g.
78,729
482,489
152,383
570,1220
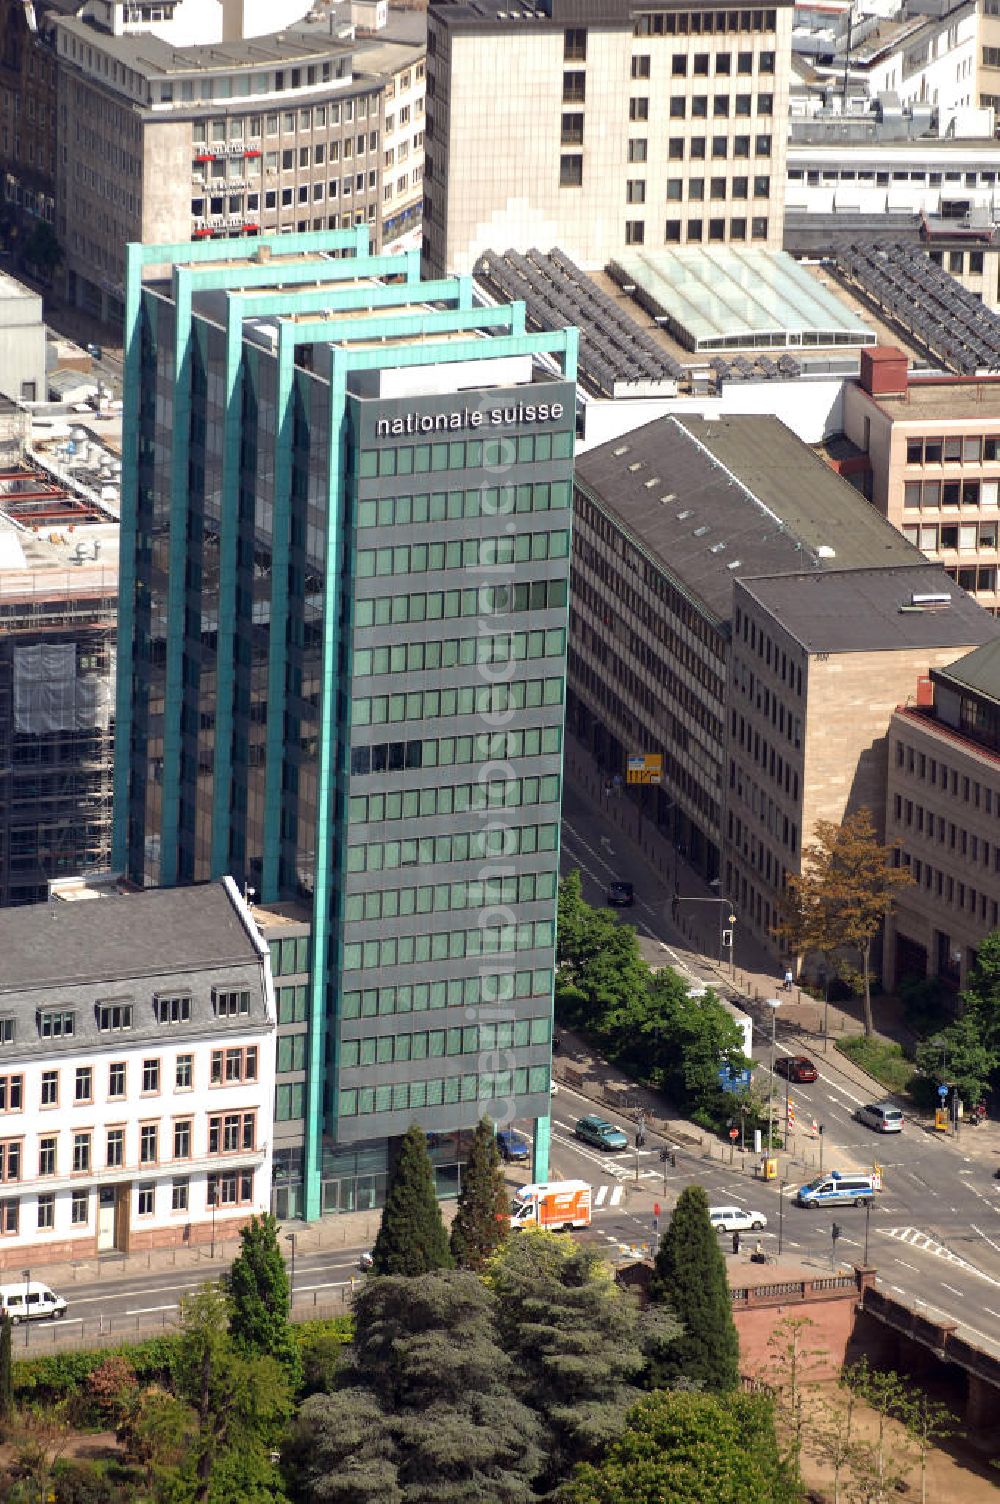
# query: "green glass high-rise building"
342,649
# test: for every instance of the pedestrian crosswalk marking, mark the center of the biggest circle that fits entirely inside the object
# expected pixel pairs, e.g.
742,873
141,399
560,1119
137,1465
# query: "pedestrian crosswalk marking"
607,1196
600,1195
616,1196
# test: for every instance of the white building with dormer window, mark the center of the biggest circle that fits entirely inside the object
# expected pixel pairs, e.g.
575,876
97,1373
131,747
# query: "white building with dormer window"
136,1071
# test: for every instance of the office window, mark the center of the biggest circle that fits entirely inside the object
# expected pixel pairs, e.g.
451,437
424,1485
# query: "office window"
716,229
80,1208
6,1031
59,1025
81,1153
679,65
116,1078
574,87
231,1004
694,229
47,1155
635,191
113,1018
233,1065
10,1159
230,1132
672,232
637,148
148,1143
675,149
184,1074
635,231
145,1200
46,1212
640,66
234,1188
116,1148
758,228
638,109
696,189
50,1088
182,1138
83,1090
9,1216
571,170
717,188
150,1075
572,129
180,1194
172,1010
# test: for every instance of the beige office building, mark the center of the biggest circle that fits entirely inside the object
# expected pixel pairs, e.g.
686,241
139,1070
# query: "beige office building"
599,126
943,807
933,463
819,662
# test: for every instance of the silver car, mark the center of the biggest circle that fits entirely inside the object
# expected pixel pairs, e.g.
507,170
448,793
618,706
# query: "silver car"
882,1116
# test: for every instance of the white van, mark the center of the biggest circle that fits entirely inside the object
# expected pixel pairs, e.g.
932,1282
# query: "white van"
30,1302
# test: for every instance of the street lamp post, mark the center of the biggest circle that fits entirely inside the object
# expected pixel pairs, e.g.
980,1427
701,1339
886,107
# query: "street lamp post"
774,1003
27,1303
781,1214
293,1239
213,1195
868,1217
728,927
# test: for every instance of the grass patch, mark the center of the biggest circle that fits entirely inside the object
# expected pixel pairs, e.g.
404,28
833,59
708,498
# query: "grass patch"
882,1058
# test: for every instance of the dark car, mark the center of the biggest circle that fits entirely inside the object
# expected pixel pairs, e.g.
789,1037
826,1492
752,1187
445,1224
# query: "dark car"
512,1145
796,1068
95,352
621,895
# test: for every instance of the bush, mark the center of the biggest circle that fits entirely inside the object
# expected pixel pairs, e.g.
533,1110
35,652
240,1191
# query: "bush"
882,1058
322,1344
60,1375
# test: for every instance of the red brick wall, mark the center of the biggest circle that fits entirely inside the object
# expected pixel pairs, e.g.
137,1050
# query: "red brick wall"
832,1328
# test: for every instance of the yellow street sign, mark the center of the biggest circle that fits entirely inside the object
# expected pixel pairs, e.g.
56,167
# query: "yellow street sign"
647,767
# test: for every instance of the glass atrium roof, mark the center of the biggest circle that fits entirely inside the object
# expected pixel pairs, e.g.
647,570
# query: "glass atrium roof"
736,299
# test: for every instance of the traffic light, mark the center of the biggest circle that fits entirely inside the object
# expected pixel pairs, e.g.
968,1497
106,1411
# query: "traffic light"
835,1231
640,1139
664,1156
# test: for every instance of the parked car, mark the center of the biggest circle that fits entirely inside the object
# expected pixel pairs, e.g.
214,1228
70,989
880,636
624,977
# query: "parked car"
513,1146
366,1261
95,352
600,1133
882,1116
735,1219
621,895
796,1068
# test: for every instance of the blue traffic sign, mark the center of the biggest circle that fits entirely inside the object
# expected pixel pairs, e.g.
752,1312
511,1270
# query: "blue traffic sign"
942,1092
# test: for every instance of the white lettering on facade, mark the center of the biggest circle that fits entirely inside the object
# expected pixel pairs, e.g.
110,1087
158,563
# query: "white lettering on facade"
469,417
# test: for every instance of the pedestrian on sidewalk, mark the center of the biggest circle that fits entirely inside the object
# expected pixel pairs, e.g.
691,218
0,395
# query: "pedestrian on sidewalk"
736,1240
789,979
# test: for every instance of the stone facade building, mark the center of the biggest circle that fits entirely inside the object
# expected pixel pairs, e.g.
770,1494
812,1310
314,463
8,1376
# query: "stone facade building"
616,125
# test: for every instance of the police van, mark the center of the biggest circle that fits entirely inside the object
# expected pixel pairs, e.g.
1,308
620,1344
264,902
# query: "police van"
849,1188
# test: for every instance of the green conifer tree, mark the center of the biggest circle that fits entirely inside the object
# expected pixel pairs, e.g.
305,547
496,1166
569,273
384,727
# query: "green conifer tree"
481,1222
690,1278
412,1238
6,1371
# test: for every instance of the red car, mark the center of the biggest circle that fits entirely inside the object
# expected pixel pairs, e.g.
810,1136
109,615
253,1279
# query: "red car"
796,1068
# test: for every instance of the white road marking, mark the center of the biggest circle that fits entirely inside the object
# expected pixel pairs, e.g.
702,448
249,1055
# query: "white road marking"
149,1310
959,1293
908,1266
332,1284
600,1196
985,1239
616,1195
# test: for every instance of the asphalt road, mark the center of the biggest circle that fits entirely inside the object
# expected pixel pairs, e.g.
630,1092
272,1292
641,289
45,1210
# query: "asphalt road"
933,1232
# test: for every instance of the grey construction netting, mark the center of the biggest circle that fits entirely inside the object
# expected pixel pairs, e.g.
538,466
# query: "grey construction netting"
50,694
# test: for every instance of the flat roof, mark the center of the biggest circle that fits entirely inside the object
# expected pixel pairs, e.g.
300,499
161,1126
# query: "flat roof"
721,499
715,298
960,402
134,934
871,610
152,56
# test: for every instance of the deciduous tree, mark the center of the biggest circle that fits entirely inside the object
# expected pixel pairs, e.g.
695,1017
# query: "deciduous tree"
690,1278
6,1371
411,1238
481,1220
843,894
689,1448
